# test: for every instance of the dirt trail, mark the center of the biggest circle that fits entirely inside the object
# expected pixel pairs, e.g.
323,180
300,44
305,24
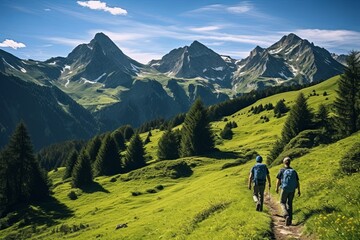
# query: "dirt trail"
280,231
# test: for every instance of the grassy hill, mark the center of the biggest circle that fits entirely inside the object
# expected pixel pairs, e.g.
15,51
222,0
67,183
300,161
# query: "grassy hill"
195,198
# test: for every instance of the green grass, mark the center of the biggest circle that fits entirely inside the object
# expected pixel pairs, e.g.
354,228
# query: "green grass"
210,203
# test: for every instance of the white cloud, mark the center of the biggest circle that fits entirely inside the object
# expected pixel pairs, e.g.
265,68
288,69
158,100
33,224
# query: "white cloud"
66,41
205,29
241,8
12,44
98,5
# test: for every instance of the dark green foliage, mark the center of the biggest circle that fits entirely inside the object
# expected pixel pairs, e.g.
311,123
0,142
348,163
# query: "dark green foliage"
136,193
70,163
293,153
127,132
347,103
108,159
280,108
196,135
82,174
350,163
275,151
150,190
300,119
148,126
231,124
135,154
21,178
55,155
175,169
159,187
168,145
72,195
93,148
226,133
307,139
258,109
119,140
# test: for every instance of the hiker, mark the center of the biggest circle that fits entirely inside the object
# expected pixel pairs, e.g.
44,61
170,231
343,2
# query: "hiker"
258,175
288,179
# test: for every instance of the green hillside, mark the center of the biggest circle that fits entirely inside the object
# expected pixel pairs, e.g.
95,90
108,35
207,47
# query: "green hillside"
195,198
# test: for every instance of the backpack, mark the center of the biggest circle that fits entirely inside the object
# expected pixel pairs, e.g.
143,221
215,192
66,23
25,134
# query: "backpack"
289,181
260,173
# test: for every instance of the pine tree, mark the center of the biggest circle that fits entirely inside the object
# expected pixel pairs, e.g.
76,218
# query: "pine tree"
196,135
70,163
108,159
226,133
135,154
82,175
93,147
168,146
299,119
147,139
119,140
280,108
322,116
347,103
22,178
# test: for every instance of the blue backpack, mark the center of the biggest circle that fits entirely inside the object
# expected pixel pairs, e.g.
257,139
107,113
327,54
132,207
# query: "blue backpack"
289,180
260,173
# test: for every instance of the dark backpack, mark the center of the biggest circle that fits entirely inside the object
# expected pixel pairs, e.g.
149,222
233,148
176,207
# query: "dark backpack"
260,174
289,180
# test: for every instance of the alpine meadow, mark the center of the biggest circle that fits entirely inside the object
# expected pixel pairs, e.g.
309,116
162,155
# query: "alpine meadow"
249,128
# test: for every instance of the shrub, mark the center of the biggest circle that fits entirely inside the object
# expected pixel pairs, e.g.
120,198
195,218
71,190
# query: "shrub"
72,195
159,187
350,163
151,190
292,153
136,193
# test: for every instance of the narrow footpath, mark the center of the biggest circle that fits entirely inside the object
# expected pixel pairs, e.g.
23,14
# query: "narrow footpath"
280,231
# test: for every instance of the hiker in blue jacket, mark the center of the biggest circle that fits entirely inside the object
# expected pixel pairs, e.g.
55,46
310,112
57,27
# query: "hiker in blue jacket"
288,179
258,175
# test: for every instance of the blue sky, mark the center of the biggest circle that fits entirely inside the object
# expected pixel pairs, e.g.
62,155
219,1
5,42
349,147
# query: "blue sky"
148,29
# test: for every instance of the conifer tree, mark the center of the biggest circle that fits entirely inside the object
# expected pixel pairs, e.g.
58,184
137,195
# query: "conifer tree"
22,178
119,140
82,175
299,119
347,103
280,108
168,146
93,147
135,154
70,163
108,159
196,135
147,139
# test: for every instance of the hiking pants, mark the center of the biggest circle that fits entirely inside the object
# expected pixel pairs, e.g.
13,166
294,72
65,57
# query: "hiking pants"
259,195
286,202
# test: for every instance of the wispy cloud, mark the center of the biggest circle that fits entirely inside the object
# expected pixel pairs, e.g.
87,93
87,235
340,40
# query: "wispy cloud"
331,38
12,44
66,41
243,8
98,5
205,28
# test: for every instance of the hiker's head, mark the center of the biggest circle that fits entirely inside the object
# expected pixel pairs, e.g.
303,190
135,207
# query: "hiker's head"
287,161
258,159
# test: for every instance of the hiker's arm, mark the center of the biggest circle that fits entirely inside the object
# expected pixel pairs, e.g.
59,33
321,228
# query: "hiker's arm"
268,178
277,185
250,179
298,187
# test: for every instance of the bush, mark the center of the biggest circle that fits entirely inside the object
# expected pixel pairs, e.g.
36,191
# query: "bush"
151,190
226,133
72,195
159,187
136,193
350,163
307,139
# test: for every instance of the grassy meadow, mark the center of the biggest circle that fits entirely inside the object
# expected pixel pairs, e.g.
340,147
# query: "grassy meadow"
207,202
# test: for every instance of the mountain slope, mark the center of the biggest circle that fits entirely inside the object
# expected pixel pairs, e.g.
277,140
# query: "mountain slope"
291,60
194,61
50,115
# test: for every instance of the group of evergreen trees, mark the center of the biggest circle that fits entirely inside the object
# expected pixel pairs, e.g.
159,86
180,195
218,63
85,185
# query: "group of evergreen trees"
195,137
21,178
102,157
346,108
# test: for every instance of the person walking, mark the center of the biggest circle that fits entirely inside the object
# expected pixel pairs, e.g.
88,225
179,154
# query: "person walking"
258,175
288,179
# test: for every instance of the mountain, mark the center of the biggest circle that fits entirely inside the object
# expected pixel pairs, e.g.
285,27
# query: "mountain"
99,61
291,60
195,61
340,58
50,115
